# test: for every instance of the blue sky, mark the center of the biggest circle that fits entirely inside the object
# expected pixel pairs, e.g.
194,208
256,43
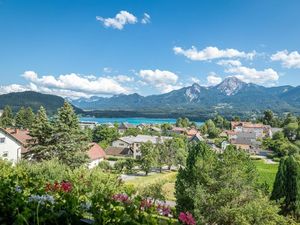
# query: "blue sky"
73,49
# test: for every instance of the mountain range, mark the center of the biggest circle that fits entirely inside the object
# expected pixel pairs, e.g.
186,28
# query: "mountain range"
231,96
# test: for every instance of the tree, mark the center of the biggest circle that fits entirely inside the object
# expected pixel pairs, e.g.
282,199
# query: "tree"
61,139
71,144
291,131
42,145
105,135
223,189
221,122
7,118
131,132
287,186
148,157
182,122
210,128
24,118
176,152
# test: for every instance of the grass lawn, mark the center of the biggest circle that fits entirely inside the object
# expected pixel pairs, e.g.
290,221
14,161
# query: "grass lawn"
267,172
167,177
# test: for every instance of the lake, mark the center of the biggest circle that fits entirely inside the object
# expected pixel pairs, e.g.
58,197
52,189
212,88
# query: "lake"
131,120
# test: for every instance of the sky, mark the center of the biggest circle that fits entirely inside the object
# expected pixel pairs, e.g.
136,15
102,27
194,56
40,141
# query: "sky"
84,48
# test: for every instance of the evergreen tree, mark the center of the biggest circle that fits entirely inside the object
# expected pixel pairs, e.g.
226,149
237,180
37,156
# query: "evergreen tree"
7,118
42,145
24,118
30,117
287,186
71,144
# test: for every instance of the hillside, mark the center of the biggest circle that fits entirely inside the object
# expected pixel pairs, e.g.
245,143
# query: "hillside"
33,100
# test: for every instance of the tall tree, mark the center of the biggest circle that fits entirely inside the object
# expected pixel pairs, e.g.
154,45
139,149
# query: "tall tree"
71,143
148,157
24,118
287,186
7,118
42,145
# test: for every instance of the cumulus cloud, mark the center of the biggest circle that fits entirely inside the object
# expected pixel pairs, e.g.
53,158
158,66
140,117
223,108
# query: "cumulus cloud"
119,21
146,18
210,53
70,85
162,80
213,79
288,60
251,75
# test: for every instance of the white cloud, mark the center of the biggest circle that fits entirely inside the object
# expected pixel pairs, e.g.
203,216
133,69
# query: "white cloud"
288,60
209,53
229,63
162,80
119,21
146,18
251,75
70,85
213,79
195,80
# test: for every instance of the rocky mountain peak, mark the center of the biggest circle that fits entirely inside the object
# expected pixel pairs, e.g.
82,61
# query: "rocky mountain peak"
231,85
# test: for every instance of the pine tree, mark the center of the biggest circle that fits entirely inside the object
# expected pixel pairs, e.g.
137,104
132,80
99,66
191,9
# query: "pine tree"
29,117
71,144
287,186
42,146
7,118
20,118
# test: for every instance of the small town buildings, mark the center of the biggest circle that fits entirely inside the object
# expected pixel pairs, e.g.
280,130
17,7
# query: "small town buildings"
178,130
96,154
119,151
13,143
134,142
87,125
247,141
124,126
259,129
196,138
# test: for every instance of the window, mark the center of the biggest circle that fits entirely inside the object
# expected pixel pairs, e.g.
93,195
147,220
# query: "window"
2,140
5,154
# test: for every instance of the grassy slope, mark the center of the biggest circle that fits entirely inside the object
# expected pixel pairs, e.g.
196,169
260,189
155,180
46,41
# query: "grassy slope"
267,172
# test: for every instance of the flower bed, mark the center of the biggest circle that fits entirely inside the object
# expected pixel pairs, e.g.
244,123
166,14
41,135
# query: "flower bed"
29,196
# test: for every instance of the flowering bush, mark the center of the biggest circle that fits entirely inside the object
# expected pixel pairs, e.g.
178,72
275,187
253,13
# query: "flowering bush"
29,197
187,218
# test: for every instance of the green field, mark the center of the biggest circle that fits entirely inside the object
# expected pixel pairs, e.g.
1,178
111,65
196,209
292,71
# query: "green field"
167,177
267,172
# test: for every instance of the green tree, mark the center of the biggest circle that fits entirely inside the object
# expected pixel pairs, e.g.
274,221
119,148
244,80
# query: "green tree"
223,189
105,135
221,122
176,152
291,131
148,157
287,186
24,118
183,122
7,117
210,129
42,145
131,131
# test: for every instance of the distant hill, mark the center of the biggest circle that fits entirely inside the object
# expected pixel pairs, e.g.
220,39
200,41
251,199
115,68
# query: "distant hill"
33,100
230,97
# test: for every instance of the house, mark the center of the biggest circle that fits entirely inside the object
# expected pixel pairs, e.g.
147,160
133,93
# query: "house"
247,141
13,143
259,129
119,151
192,132
196,138
87,125
134,143
124,126
178,130
96,154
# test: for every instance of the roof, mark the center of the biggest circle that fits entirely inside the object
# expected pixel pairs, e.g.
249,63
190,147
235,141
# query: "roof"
19,135
192,132
126,126
96,152
179,129
117,151
144,139
248,125
197,137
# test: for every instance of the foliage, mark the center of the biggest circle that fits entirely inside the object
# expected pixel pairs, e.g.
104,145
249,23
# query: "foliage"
24,118
148,157
62,138
105,135
7,117
183,122
104,165
210,129
223,189
287,186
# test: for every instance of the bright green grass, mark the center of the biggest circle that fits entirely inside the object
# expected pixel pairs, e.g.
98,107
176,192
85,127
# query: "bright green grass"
267,172
168,178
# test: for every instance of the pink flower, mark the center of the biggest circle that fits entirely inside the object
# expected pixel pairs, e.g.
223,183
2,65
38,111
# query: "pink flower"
146,204
163,210
66,186
187,218
121,198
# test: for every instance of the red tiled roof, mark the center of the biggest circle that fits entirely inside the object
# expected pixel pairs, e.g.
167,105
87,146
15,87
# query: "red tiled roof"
192,132
96,152
22,136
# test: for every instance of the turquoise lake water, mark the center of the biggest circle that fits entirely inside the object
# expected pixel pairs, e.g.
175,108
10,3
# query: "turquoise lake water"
131,120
